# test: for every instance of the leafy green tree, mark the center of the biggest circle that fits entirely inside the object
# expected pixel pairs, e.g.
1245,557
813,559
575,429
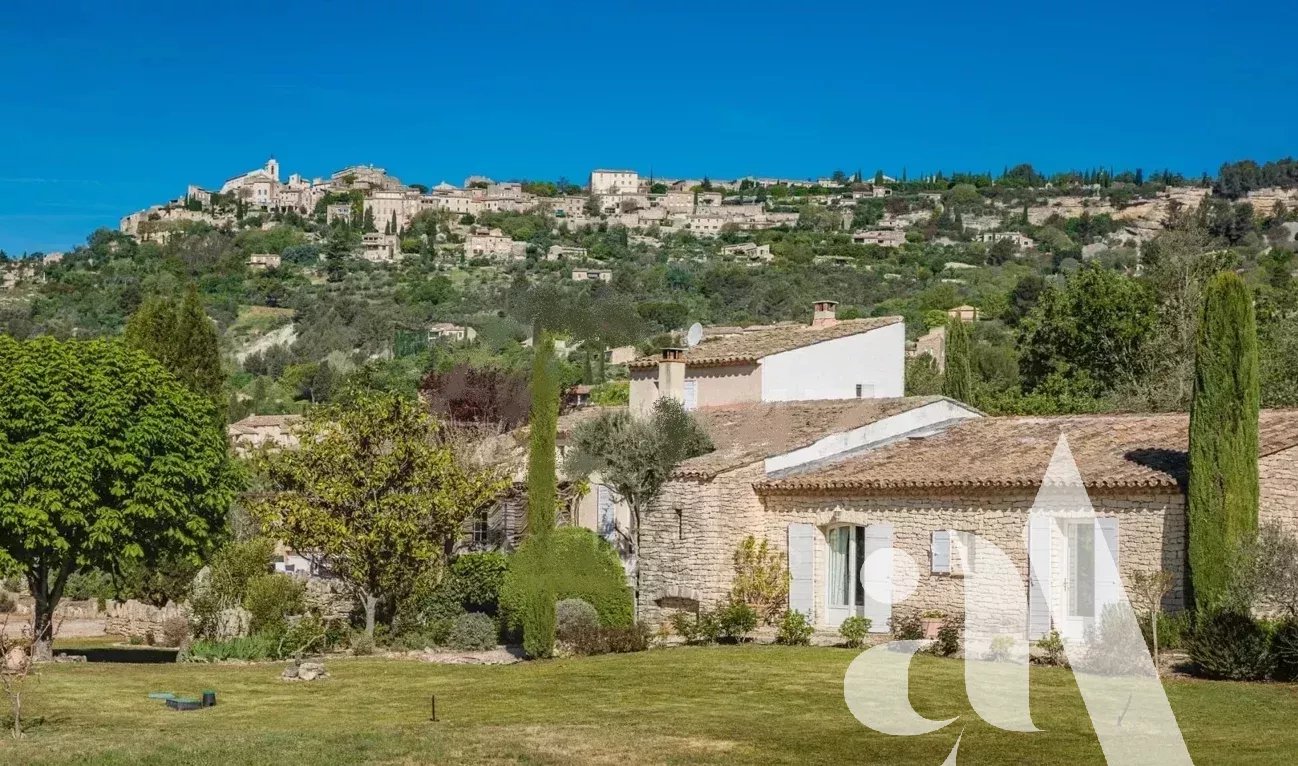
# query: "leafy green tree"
182,337
635,456
1088,337
106,461
1223,486
957,377
378,490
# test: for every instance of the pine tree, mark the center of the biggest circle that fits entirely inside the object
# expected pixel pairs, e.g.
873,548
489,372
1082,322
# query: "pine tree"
957,380
542,500
1223,486
183,338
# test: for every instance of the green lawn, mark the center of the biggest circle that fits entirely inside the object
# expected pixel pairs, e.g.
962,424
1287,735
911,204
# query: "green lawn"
752,704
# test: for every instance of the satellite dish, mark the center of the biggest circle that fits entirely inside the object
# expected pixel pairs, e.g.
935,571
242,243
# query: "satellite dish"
694,335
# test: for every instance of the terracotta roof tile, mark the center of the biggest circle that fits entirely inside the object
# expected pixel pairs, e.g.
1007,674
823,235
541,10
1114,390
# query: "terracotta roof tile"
1146,450
751,345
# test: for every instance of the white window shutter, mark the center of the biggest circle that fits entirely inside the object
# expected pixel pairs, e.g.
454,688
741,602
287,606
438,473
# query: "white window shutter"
941,552
1039,527
876,576
605,506
691,393
802,541
1107,580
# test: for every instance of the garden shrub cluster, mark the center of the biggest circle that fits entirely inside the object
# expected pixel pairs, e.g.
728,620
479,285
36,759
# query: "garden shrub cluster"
728,623
598,639
592,572
854,631
573,615
794,630
1231,645
472,631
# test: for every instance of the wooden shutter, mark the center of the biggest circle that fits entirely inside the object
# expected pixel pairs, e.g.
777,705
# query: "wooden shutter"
876,576
1039,528
802,542
940,552
1107,581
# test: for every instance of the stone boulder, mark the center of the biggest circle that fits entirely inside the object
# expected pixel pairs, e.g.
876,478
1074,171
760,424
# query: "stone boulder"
304,671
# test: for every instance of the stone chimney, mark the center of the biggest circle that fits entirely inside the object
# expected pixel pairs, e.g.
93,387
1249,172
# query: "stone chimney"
671,374
824,314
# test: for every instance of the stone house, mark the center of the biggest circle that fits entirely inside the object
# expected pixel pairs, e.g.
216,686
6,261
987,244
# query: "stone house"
263,261
880,237
914,493
965,313
592,275
256,431
484,242
828,359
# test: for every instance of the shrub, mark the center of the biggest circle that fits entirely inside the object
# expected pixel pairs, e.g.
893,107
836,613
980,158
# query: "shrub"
761,578
7,603
573,614
307,634
94,584
428,607
947,643
1173,629
255,648
476,580
1231,645
591,571
1052,647
362,644
1284,648
175,631
596,639
907,625
854,631
270,599
472,631
1114,645
735,621
226,583
697,628
1000,648
794,629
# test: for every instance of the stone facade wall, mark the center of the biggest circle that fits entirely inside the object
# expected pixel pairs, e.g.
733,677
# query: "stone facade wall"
136,619
1278,479
688,541
1151,534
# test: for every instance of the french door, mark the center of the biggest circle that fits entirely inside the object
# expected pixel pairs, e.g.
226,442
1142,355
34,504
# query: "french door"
859,580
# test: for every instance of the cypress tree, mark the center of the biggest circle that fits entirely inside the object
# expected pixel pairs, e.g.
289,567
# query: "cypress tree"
183,339
1223,482
957,380
542,501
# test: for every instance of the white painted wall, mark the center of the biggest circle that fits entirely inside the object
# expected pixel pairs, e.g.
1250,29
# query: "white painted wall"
833,369
919,420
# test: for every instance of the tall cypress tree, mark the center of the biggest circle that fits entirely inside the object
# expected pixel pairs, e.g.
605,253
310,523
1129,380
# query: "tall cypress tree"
542,502
957,379
1223,484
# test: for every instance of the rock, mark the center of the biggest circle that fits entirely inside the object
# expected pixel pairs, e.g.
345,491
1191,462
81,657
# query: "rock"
16,660
304,671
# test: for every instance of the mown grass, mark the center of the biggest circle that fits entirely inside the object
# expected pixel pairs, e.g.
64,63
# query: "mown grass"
751,704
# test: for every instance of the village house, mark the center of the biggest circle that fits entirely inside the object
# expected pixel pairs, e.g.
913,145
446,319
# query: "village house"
614,182
483,242
827,359
749,251
919,490
965,313
932,343
257,431
564,251
1020,240
450,332
879,237
585,275
338,211
380,248
263,261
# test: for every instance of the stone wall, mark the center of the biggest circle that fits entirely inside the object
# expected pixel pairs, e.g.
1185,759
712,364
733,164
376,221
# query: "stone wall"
136,619
1278,477
1151,534
688,541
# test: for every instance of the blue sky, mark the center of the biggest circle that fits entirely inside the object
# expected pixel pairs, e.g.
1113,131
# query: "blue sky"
109,107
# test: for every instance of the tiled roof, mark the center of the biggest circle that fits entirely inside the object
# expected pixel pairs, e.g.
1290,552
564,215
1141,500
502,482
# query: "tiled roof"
746,433
752,345
1110,451
267,421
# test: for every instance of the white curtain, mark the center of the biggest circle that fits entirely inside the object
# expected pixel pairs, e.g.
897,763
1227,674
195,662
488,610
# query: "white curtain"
838,584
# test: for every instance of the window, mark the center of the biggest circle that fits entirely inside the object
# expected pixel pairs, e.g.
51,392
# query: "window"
858,390
966,540
481,530
1081,569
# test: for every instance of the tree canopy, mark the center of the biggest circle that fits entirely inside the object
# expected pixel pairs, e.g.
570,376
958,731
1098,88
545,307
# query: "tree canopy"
105,461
